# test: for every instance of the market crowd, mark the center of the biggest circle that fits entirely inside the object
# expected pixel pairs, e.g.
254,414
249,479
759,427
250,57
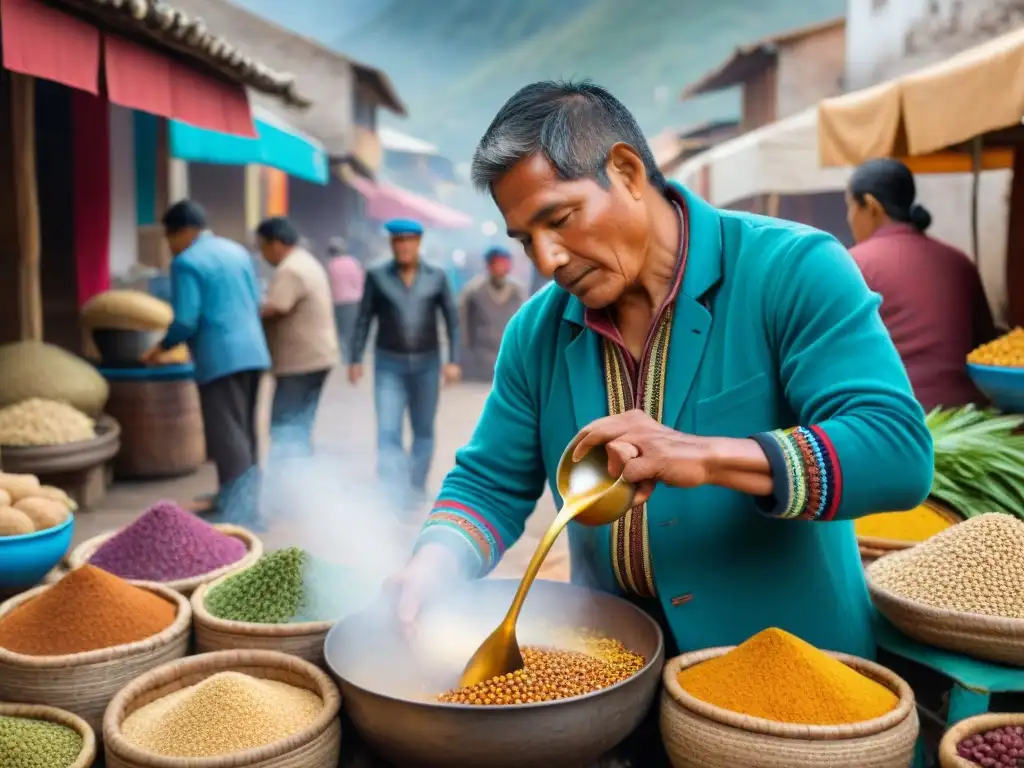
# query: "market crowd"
315,314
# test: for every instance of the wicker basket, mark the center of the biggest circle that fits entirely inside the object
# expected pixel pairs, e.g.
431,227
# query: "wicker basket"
700,735
80,556
53,715
872,548
983,637
305,640
84,683
317,746
948,758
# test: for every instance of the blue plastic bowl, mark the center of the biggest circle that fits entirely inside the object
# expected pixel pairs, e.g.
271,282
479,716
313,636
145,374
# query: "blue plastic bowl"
1003,386
25,560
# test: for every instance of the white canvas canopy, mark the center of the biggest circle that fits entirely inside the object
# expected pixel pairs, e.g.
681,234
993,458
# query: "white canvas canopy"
781,158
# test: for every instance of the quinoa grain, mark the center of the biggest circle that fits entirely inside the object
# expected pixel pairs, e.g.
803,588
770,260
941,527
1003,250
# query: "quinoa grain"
973,567
227,713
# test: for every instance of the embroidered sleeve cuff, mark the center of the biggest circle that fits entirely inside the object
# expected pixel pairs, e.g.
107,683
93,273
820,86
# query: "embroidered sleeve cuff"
807,477
456,525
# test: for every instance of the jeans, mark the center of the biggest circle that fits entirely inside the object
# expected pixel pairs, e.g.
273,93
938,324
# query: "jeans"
405,382
293,413
345,316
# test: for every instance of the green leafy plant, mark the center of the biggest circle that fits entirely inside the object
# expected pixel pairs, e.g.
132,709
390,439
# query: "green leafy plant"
979,460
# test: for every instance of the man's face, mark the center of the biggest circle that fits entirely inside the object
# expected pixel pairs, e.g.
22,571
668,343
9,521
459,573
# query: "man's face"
406,249
181,239
270,250
498,268
591,240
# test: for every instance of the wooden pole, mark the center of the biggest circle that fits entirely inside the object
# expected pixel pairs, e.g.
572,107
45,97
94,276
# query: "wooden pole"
23,133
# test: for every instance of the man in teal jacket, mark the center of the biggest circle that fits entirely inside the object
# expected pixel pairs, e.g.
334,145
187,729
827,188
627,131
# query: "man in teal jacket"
734,365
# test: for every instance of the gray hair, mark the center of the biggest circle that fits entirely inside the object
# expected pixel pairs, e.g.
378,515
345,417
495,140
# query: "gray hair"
574,125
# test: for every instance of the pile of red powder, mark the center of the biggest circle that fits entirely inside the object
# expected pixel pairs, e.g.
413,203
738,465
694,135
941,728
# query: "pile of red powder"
166,543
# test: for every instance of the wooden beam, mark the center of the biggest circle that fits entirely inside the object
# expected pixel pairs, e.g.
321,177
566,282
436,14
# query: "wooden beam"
23,134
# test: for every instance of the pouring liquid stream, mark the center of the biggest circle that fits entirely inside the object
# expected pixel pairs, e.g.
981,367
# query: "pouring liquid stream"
499,653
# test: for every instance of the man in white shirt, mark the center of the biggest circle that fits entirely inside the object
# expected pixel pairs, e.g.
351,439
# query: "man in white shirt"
299,317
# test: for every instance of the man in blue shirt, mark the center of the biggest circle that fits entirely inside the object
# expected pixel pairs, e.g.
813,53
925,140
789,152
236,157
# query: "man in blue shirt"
216,300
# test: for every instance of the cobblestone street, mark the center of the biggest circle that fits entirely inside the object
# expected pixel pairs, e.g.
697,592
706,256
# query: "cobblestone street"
330,505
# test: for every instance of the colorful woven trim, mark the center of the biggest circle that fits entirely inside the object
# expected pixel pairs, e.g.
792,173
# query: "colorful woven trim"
630,539
811,486
457,517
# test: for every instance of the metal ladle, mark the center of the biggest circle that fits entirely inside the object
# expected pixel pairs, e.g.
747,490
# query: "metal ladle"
592,497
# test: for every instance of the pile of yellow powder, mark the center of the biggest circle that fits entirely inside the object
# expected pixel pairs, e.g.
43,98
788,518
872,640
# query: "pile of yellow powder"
777,676
226,713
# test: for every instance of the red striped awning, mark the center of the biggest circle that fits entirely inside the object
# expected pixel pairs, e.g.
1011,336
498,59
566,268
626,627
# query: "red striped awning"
150,81
43,42
47,43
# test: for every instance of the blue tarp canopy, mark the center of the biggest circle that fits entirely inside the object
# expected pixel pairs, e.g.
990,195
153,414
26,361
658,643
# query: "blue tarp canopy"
279,146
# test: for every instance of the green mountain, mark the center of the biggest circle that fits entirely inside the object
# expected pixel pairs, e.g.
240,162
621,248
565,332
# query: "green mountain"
456,61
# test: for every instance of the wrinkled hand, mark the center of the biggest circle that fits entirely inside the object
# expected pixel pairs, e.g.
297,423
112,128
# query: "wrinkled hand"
451,374
152,355
355,373
645,452
431,566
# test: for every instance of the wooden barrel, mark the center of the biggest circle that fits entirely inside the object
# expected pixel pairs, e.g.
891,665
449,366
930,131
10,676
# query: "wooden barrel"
161,422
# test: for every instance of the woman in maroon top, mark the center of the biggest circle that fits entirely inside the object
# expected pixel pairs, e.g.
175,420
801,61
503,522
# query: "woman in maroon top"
933,301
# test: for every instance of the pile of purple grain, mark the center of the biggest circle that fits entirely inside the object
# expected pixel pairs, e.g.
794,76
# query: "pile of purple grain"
166,543
998,747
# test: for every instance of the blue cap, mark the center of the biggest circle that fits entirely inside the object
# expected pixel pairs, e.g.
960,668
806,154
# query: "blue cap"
403,227
497,252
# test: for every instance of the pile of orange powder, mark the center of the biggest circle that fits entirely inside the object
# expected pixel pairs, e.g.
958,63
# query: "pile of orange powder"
87,610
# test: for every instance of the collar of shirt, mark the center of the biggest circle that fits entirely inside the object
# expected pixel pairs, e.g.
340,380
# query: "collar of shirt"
895,228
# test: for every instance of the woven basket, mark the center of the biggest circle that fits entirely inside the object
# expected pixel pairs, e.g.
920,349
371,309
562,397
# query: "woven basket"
948,758
700,735
84,683
317,746
983,637
872,548
305,640
53,715
80,556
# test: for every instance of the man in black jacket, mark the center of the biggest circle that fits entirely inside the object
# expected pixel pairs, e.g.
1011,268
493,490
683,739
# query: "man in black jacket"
405,296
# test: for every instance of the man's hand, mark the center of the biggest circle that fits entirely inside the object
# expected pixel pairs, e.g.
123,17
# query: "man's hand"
432,566
645,452
355,373
451,374
152,355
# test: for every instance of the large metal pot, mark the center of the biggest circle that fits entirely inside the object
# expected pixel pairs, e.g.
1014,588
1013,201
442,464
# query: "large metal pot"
390,687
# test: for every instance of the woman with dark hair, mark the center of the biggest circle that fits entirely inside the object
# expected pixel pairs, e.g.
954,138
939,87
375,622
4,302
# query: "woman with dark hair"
933,301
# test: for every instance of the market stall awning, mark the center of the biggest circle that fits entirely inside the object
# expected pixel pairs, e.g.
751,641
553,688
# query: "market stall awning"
147,80
154,59
781,158
277,145
386,201
941,106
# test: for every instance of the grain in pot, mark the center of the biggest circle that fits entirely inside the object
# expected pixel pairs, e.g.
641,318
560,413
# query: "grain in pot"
167,543
30,743
974,567
44,422
777,676
86,610
551,674
227,713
